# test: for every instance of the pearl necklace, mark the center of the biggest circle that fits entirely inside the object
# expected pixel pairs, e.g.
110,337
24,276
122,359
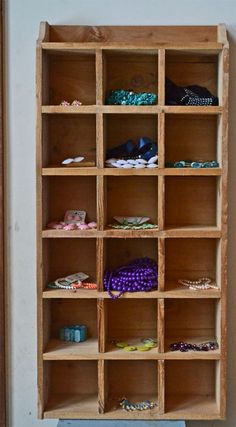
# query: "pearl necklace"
202,283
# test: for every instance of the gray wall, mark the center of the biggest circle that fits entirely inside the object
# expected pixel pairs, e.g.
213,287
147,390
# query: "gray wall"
23,17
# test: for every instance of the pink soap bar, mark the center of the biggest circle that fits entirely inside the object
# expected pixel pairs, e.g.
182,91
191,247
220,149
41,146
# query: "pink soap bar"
92,224
70,227
83,227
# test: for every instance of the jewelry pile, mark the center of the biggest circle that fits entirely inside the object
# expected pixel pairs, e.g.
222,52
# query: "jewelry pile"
128,155
73,333
203,283
146,345
73,220
139,275
76,162
140,406
137,163
185,346
129,97
72,282
132,223
193,164
75,103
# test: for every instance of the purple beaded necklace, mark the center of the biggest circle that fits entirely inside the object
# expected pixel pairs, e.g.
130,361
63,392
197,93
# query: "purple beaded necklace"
140,275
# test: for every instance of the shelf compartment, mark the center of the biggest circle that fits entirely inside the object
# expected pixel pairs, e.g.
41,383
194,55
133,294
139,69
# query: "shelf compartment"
196,396
130,320
63,193
191,136
72,389
137,380
62,257
68,136
191,201
134,70
191,259
132,196
62,312
186,68
69,76
120,128
196,321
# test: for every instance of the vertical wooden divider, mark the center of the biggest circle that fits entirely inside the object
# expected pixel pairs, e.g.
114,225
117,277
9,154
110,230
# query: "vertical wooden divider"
102,385
161,264
102,324
161,77
161,325
161,386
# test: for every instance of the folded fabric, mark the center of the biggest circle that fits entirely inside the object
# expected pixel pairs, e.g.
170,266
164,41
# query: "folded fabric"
189,95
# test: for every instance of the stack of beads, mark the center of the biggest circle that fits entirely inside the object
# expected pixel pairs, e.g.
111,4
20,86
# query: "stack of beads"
74,333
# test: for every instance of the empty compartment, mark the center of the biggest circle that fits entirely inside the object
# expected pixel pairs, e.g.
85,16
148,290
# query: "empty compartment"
194,321
63,257
189,68
130,321
62,312
120,128
191,259
191,137
136,380
72,389
132,196
68,136
191,389
68,193
69,77
190,201
137,71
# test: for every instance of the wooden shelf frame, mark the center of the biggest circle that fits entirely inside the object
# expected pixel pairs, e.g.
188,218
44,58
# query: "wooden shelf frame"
97,355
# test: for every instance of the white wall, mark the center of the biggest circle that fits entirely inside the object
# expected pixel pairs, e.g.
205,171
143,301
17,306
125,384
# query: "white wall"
23,17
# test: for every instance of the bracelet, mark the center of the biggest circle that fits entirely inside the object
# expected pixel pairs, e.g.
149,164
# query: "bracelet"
202,283
73,333
185,346
140,406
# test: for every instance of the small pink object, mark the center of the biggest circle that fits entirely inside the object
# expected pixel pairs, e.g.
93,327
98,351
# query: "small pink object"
92,224
58,226
65,103
70,227
76,103
83,227
52,224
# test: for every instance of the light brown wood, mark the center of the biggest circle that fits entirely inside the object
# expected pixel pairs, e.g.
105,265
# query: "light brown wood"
86,380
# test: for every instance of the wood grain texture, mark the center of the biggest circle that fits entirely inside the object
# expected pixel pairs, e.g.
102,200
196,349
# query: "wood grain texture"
189,205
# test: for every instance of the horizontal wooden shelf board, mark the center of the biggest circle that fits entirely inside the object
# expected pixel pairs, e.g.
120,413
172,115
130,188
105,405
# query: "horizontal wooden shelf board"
60,109
211,232
191,407
193,231
130,109
86,407
175,293
77,47
72,406
179,109
93,171
61,350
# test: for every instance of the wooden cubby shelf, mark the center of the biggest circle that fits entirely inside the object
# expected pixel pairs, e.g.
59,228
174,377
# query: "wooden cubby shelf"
86,380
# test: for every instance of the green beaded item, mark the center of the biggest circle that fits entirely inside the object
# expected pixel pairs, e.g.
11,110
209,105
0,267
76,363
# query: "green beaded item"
129,97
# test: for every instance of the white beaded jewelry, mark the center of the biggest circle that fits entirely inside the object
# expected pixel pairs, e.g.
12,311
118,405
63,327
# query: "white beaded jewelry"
203,283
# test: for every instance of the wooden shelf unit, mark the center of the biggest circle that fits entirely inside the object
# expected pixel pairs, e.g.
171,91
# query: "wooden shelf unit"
85,380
